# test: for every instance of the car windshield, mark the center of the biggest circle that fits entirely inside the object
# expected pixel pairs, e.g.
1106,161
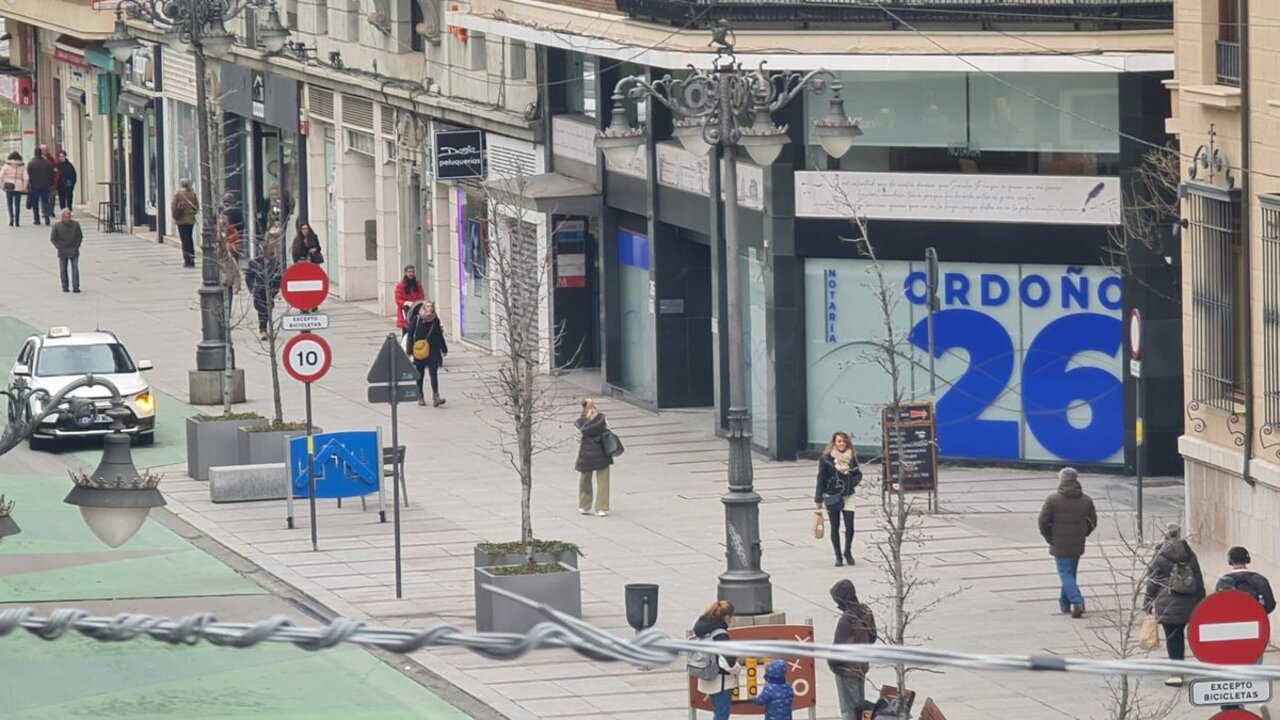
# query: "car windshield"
102,359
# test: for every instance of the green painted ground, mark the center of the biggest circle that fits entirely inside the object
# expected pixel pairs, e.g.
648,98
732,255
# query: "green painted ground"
57,559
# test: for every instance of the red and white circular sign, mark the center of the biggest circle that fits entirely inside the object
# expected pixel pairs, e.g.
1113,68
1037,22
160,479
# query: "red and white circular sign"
1235,715
1135,334
304,285
307,357
1229,628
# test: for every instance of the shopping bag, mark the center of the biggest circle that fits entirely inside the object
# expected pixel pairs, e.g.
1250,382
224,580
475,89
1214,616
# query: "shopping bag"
1149,633
819,528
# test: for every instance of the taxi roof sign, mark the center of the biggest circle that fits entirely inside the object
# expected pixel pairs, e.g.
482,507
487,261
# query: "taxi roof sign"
59,331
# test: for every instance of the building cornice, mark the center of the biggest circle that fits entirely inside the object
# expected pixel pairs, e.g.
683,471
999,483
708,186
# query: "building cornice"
67,17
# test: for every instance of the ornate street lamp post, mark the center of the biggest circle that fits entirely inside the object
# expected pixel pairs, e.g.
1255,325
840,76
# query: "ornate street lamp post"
710,110
200,24
116,499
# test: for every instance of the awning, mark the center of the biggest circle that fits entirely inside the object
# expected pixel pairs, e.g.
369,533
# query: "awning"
549,192
76,95
133,105
69,50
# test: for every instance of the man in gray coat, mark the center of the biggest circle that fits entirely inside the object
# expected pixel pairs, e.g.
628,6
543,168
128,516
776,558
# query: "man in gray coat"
66,236
1066,519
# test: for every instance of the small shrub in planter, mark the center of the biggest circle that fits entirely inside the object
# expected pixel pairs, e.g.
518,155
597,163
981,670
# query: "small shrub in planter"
553,584
490,554
213,441
262,444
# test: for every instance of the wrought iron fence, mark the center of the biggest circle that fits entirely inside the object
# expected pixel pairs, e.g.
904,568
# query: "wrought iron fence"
1270,308
1213,224
1228,62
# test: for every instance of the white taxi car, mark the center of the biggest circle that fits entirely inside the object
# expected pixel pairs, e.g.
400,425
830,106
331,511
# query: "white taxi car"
52,361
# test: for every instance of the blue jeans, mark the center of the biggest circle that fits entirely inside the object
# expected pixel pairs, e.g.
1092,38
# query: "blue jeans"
75,272
1070,595
720,703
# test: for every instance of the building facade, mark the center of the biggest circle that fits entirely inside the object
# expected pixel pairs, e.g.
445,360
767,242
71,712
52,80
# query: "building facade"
1225,115
1010,155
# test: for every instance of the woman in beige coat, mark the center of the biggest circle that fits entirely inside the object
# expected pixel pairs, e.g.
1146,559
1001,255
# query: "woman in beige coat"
13,178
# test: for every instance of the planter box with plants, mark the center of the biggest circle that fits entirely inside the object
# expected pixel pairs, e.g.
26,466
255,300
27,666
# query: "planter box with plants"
213,440
266,444
490,554
553,584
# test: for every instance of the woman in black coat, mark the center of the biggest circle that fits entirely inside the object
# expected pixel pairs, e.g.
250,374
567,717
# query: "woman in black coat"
592,457
306,246
838,475
1171,604
425,326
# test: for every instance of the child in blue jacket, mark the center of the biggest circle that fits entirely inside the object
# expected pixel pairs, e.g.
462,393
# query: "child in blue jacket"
777,696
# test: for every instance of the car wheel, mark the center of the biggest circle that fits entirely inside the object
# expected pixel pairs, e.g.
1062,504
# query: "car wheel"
146,439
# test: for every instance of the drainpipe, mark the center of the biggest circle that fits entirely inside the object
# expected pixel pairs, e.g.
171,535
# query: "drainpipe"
1246,223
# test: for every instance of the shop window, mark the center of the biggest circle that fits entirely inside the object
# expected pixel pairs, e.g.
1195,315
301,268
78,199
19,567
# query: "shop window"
417,23
1217,310
580,84
479,50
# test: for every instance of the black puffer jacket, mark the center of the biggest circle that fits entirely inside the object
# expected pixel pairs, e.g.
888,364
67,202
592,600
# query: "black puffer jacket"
1170,607
591,454
833,482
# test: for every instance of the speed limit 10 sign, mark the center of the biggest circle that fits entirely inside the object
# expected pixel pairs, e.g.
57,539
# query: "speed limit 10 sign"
307,357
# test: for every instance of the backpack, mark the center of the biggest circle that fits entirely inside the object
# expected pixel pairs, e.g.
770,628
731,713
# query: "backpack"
1182,579
705,665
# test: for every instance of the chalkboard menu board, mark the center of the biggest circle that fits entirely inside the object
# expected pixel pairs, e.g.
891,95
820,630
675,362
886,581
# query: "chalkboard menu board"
910,454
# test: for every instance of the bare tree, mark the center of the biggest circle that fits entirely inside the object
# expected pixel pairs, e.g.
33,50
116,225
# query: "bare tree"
1120,606
1148,215
518,270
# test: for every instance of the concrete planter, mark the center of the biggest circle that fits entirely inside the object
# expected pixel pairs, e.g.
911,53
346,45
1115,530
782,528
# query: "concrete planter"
266,448
560,590
214,442
484,559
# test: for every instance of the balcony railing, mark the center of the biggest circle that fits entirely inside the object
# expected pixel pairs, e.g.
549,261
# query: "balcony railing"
1082,14
1228,63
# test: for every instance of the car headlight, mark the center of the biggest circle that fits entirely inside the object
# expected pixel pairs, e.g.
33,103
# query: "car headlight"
145,401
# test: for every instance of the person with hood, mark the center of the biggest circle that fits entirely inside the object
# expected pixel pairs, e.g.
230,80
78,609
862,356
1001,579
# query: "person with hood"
1245,580
1066,519
777,695
1175,586
183,208
713,625
838,476
426,346
263,276
408,292
857,626
13,178
66,181
592,457
40,186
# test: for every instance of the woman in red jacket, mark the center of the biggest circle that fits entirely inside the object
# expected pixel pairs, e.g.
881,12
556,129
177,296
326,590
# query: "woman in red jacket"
408,291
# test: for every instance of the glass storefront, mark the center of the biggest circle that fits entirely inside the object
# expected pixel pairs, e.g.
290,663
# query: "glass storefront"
755,343
183,150
331,206
473,267
635,299
150,165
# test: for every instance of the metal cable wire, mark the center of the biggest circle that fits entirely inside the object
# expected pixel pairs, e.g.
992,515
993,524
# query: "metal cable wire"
650,648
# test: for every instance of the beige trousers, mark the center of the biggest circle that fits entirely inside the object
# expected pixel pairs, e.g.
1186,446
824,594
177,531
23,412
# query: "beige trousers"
602,490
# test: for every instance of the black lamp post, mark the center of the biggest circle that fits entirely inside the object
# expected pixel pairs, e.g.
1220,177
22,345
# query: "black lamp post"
710,109
116,499
200,24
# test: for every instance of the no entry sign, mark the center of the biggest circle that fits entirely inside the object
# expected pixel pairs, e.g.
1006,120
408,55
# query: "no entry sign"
1229,628
304,285
307,357
1235,715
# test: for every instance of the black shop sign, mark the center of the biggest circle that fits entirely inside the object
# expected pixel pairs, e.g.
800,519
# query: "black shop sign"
910,447
459,154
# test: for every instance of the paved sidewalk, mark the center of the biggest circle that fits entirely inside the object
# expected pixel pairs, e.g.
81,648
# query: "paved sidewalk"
988,561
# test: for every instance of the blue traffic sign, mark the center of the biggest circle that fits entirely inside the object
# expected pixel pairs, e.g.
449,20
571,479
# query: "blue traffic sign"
347,464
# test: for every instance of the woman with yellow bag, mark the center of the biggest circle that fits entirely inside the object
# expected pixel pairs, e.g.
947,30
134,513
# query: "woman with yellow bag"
426,347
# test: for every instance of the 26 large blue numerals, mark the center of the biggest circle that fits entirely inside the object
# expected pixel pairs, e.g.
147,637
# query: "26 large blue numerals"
1049,387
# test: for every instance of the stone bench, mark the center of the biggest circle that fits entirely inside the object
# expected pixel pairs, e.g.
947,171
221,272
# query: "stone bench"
243,483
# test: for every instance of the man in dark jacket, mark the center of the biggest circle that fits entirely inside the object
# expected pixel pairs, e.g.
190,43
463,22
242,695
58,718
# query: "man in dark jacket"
1066,519
263,277
857,626
1175,586
66,181
66,236
1245,580
40,185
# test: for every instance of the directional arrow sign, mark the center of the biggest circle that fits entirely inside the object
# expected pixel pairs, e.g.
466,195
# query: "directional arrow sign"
1229,628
